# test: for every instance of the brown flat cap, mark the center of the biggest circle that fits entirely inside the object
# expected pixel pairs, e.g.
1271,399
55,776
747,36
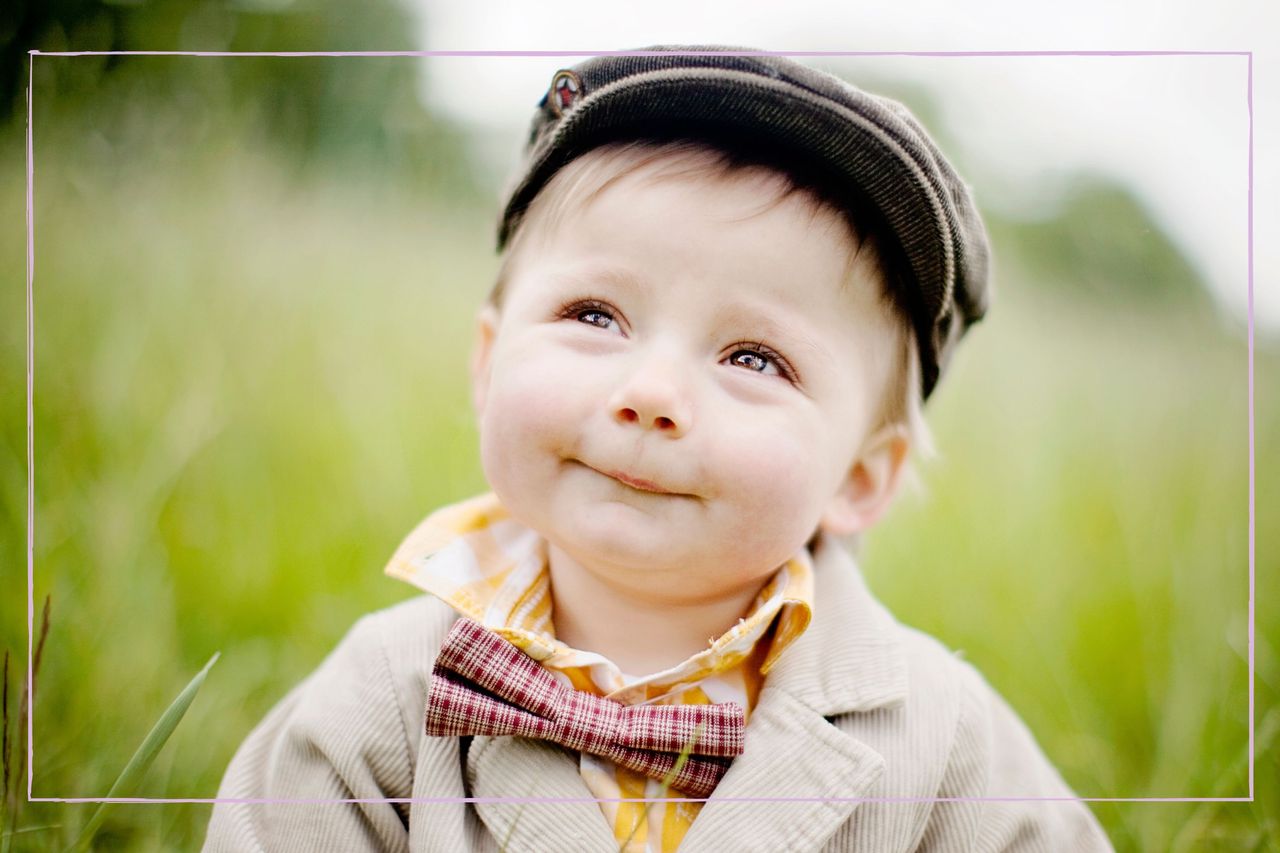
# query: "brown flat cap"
867,152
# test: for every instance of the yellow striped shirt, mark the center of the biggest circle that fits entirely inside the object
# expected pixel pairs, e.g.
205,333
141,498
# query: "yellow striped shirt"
493,569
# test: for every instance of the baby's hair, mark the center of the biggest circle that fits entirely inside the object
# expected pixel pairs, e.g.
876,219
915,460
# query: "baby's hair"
584,178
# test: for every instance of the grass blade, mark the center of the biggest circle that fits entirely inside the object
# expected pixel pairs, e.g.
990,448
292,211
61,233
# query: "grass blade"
5,749
146,753
4,803
19,741
27,829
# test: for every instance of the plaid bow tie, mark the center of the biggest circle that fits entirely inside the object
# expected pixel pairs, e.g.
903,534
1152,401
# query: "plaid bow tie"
483,685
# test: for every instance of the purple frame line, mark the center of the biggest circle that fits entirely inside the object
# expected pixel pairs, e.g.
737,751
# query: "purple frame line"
457,800
31,457
569,53
1249,103
1248,54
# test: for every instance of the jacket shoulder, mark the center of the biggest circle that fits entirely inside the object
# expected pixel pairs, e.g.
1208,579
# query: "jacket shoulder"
401,642
990,755
981,722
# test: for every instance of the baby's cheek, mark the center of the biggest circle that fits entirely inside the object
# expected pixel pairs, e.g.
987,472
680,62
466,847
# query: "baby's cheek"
523,415
769,463
775,488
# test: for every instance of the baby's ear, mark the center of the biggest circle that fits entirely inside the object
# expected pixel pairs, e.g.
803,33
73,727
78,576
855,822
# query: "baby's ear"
481,351
870,484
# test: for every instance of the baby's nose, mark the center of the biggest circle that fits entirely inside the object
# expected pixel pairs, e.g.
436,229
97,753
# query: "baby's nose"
654,397
661,423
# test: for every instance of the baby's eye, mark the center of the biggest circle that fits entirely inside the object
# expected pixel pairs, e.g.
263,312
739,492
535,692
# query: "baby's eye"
760,359
592,312
596,317
752,361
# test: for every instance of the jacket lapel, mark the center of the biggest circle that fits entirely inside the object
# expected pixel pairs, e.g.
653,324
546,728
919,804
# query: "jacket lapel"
519,768
792,754
800,777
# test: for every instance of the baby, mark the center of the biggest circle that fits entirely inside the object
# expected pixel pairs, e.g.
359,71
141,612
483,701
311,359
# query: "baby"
728,285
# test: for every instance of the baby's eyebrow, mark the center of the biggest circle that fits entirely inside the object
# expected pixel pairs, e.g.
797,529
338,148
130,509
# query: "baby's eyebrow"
771,328
603,276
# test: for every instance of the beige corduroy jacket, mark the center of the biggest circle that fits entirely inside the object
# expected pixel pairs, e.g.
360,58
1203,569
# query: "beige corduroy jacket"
862,725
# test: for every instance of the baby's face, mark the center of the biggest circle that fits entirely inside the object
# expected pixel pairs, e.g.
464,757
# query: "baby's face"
678,386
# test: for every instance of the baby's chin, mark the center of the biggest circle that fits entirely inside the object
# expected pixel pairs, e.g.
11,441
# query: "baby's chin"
670,570
676,548
625,538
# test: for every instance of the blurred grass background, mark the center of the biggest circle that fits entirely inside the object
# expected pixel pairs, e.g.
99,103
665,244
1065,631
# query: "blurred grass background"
254,288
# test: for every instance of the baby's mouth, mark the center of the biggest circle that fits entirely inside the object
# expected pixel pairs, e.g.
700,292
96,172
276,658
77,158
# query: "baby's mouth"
637,483
640,484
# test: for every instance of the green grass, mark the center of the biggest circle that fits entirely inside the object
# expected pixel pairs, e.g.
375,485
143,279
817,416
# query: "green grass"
145,755
249,390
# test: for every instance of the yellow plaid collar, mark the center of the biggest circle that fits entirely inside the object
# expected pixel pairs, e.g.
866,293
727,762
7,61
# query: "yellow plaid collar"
492,569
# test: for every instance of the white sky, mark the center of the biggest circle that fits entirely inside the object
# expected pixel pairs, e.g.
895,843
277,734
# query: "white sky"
1174,128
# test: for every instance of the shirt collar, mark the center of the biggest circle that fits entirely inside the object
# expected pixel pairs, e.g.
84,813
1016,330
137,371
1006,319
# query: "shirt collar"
493,569
852,657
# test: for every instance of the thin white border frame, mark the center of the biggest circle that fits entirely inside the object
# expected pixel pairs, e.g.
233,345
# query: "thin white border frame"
584,54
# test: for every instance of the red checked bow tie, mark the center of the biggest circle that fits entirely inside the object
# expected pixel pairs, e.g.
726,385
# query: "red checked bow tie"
483,685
